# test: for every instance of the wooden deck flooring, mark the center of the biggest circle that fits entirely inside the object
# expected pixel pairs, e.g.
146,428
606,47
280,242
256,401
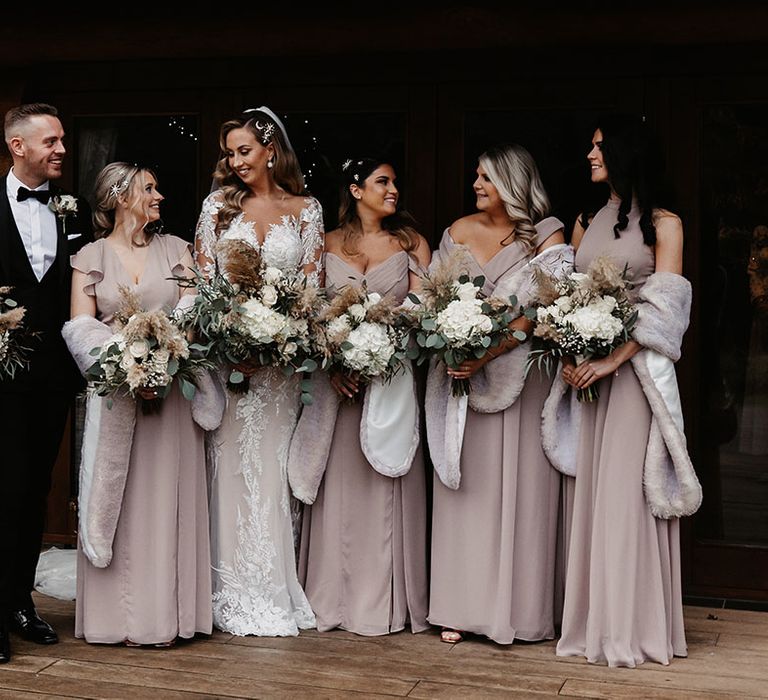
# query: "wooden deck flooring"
728,658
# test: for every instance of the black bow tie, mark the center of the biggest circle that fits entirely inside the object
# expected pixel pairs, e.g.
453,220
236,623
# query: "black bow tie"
41,196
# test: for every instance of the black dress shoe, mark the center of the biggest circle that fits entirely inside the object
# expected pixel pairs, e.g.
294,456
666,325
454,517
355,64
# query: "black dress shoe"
5,644
32,627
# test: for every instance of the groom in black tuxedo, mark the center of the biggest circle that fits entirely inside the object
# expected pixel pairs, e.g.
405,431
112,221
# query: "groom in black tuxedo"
40,227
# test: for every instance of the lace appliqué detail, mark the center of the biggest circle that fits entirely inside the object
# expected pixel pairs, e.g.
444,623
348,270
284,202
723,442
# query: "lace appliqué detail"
205,232
252,594
311,220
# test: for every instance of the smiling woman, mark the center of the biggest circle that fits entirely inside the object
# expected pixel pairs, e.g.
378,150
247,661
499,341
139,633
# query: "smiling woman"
147,580
261,201
363,547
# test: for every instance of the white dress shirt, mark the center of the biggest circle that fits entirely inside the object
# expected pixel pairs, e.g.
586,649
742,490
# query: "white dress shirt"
36,224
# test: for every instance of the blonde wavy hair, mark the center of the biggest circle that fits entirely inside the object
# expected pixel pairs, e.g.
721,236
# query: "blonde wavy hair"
513,172
114,181
401,224
286,171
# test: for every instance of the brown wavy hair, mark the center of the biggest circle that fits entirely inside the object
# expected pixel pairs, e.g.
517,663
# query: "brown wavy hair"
401,224
286,171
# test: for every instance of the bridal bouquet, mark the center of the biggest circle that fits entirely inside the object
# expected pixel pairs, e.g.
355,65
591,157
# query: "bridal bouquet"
14,355
250,312
148,351
584,315
364,334
458,321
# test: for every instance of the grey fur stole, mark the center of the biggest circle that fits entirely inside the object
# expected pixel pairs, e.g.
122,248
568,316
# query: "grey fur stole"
108,439
669,480
387,442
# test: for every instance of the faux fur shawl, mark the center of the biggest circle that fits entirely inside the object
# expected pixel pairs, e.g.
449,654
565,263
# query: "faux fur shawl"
671,487
312,439
107,442
496,386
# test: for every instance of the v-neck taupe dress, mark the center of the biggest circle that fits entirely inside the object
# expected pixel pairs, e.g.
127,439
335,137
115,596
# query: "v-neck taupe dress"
363,559
494,539
623,599
158,585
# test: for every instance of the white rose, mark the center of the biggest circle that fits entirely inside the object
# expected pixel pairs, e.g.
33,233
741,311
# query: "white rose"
139,348
161,356
373,298
356,312
272,275
338,329
126,362
268,295
290,349
465,291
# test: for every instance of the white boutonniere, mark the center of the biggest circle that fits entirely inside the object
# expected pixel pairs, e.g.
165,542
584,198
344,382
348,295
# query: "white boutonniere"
63,205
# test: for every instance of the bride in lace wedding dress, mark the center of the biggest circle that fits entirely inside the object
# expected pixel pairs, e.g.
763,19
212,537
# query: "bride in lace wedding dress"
260,200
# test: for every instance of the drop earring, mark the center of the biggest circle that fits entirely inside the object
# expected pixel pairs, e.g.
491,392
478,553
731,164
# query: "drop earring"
270,163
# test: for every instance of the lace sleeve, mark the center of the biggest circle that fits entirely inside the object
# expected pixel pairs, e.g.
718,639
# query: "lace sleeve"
205,233
312,241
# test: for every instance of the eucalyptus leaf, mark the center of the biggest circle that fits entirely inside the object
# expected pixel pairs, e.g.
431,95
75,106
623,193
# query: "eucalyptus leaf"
236,377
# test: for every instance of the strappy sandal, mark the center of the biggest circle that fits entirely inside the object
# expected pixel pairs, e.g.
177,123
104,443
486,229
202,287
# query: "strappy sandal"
451,636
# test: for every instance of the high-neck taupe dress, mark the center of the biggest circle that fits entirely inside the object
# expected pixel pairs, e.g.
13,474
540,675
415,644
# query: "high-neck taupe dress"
363,545
494,539
623,600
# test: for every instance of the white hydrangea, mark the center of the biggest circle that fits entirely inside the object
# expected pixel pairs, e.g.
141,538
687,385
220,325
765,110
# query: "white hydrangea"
261,322
371,349
595,320
461,320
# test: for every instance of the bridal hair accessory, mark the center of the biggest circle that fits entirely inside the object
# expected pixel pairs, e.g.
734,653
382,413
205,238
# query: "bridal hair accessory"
266,129
118,188
347,163
276,121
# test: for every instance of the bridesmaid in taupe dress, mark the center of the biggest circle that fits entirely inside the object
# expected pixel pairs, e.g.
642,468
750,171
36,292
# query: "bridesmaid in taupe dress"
494,539
158,584
363,550
623,600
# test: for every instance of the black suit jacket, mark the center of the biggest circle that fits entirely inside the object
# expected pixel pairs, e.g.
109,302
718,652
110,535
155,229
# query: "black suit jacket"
47,301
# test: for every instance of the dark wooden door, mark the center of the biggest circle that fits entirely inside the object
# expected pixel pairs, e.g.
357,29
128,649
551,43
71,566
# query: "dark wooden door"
720,154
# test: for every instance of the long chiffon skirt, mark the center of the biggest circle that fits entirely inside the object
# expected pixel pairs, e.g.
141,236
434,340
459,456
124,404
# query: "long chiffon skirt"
623,600
363,553
495,539
158,585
